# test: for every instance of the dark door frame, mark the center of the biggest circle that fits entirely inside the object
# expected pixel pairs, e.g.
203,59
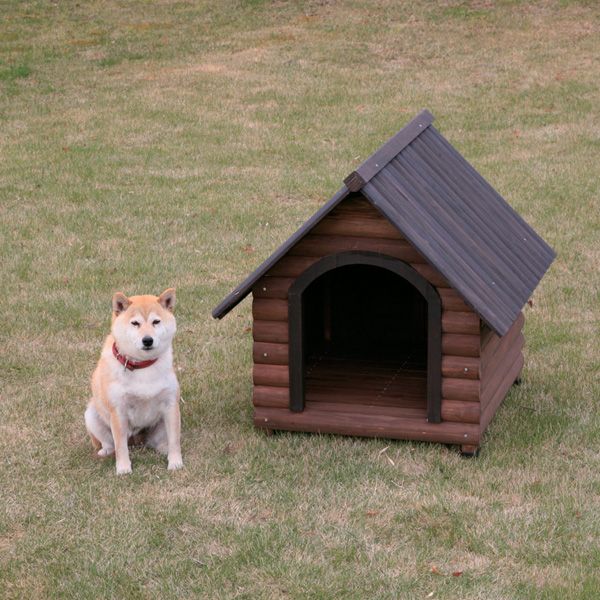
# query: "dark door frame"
404,270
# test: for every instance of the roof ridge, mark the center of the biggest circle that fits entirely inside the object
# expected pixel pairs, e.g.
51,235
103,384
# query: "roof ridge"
377,161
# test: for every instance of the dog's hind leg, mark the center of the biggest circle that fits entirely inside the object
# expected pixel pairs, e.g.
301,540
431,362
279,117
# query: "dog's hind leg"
99,432
157,438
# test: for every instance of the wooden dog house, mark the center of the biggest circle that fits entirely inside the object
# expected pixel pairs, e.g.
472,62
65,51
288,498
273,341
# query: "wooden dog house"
395,310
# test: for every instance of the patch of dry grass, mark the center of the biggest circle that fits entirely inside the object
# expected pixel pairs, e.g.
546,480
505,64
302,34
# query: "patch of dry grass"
154,144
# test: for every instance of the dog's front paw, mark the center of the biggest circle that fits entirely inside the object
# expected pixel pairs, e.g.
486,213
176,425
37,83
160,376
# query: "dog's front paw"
104,452
175,463
124,468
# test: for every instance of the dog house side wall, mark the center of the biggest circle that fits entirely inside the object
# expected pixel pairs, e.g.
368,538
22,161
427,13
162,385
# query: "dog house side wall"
356,225
501,364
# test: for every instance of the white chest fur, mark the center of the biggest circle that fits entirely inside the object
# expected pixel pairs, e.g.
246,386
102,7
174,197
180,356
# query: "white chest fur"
143,396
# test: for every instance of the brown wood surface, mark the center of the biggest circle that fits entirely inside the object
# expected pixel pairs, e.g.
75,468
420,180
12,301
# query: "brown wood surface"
487,334
323,245
357,226
494,401
496,346
365,398
499,367
271,375
272,287
355,206
291,266
466,367
269,309
270,331
457,344
365,382
263,395
460,322
371,383
460,412
460,389
452,410
270,354
452,301
398,412
350,423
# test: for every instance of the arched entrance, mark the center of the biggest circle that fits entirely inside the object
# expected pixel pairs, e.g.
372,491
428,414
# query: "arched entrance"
365,328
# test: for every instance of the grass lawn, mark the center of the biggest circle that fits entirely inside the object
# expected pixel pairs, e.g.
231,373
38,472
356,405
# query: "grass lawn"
153,144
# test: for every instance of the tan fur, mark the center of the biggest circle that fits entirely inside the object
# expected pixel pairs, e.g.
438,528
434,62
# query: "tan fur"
125,403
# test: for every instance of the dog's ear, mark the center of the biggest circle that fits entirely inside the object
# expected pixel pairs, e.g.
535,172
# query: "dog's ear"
167,299
120,303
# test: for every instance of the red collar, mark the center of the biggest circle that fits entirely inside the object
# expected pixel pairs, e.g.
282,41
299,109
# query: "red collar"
131,364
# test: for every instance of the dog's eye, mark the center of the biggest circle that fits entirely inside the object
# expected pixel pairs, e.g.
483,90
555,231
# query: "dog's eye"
156,322
135,323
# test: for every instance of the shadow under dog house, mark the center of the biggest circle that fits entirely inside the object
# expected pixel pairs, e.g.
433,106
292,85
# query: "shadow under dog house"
395,310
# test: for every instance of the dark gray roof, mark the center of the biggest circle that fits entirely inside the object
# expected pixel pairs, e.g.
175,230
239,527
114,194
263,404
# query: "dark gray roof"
452,216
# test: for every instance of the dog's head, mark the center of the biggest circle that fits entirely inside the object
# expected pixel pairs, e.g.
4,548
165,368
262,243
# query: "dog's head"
143,326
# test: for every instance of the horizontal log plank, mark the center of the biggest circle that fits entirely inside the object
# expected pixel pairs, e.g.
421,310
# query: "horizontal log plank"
323,245
497,345
357,207
398,412
270,396
270,354
269,309
460,389
270,331
494,401
460,412
348,423
353,374
466,367
457,344
271,375
491,340
364,398
272,287
451,300
357,226
494,375
452,410
460,322
292,266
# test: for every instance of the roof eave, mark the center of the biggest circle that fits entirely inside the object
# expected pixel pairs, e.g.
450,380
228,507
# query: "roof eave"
244,288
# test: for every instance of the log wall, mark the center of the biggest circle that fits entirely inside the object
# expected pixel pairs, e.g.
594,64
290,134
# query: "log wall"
501,365
471,385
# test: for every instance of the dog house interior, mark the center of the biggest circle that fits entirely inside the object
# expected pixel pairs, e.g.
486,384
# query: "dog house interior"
362,336
372,347
395,310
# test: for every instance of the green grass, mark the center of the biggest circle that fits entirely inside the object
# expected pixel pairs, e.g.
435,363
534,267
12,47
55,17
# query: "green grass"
146,145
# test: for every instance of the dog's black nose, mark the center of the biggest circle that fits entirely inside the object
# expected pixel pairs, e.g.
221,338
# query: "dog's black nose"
147,341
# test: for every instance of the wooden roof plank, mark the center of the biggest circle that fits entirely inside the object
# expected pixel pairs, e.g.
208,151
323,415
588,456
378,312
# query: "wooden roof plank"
480,213
461,225
451,215
495,204
446,258
370,167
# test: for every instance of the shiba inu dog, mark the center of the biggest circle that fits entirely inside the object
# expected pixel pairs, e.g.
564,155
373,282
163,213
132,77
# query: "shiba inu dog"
134,387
